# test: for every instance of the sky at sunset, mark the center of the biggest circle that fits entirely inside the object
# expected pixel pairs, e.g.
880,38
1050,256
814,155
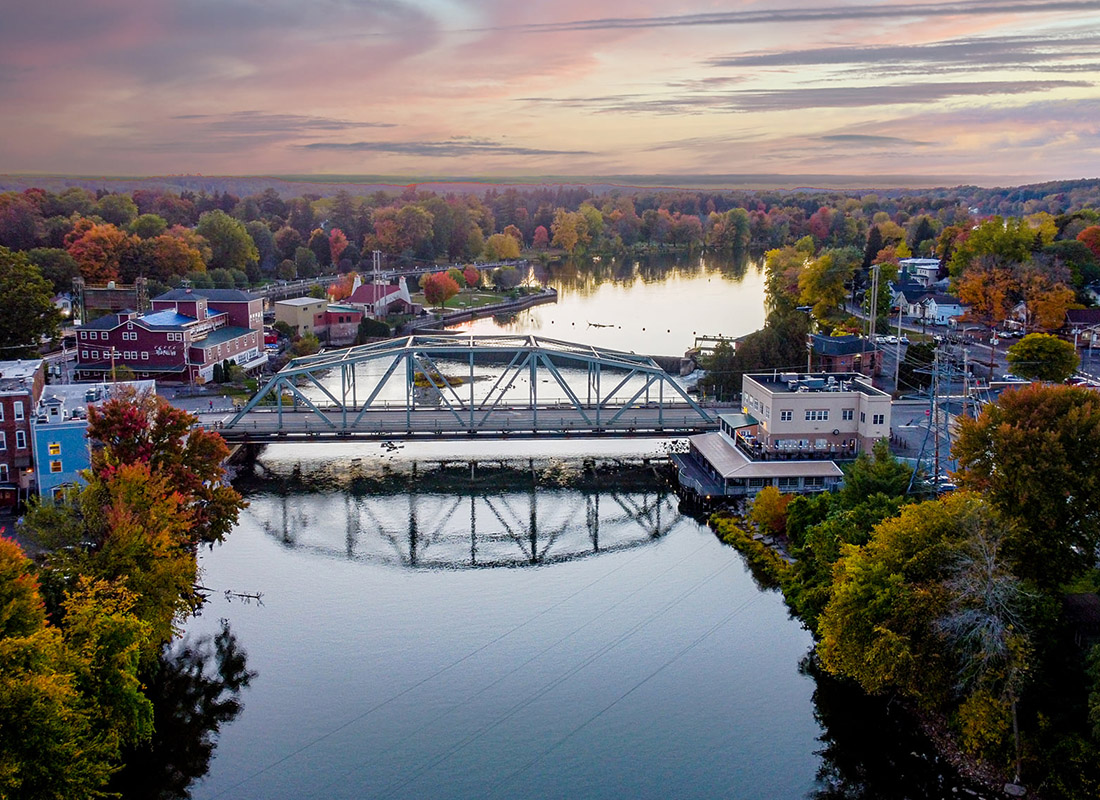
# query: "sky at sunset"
964,91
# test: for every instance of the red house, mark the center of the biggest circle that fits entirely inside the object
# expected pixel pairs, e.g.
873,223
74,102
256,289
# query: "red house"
21,385
185,334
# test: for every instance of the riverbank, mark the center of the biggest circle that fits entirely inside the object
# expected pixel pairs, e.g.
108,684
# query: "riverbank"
438,322
771,564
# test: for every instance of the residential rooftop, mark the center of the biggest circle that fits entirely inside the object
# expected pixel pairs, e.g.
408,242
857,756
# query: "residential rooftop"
298,302
18,376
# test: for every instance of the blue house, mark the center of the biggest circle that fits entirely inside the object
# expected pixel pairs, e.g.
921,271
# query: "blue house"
60,444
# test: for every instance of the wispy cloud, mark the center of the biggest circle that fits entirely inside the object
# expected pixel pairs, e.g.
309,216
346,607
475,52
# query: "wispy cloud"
966,54
819,14
869,140
253,122
813,97
453,148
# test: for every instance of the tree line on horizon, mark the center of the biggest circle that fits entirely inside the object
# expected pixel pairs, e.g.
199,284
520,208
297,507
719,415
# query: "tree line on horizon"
221,240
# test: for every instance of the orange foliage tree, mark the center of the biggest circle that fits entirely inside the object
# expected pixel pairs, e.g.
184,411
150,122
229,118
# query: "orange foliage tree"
100,250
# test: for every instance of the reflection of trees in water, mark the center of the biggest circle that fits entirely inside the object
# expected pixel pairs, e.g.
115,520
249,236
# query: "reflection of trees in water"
196,688
584,276
872,750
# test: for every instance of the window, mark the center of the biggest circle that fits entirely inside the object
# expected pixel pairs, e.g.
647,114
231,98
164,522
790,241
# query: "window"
55,448
144,355
816,414
786,414
3,441
815,480
20,440
83,353
757,481
878,419
58,494
95,354
862,416
1,412
848,414
55,466
3,473
18,409
84,335
788,483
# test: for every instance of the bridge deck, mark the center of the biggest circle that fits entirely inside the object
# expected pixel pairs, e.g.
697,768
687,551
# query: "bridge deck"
549,422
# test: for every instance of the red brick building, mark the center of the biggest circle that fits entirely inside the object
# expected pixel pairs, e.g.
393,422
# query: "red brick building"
21,384
185,334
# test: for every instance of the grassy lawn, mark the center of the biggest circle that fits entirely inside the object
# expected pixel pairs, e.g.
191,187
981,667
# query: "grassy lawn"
464,300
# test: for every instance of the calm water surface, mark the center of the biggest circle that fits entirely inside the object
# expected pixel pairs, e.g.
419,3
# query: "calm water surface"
646,663
655,306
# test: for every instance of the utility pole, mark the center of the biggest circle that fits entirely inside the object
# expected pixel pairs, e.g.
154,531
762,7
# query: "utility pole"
933,416
873,318
966,380
897,353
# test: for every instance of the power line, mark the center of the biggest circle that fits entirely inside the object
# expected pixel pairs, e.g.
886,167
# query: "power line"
418,684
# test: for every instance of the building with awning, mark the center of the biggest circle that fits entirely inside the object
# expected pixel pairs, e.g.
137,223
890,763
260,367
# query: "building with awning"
792,431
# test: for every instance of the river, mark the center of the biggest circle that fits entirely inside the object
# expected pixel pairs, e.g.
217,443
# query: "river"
527,620
656,306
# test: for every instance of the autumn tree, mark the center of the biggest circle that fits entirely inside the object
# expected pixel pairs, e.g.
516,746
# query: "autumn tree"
878,626
501,247
569,230
541,239
782,268
337,243
171,257
101,250
769,510
21,224
515,233
472,276
1090,237
1035,454
988,289
145,428
822,282
1047,302
928,608
438,288
1002,242
27,299
69,697
230,245
1042,357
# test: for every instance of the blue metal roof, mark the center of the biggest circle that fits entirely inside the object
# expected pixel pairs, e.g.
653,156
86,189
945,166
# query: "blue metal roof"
165,319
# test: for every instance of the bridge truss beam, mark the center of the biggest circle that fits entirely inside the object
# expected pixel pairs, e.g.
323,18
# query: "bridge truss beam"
439,375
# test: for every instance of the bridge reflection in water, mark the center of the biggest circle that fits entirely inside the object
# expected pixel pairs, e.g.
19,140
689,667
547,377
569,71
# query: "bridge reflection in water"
469,527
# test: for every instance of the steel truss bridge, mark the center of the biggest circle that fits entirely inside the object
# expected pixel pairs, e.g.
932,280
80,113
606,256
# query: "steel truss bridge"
468,386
